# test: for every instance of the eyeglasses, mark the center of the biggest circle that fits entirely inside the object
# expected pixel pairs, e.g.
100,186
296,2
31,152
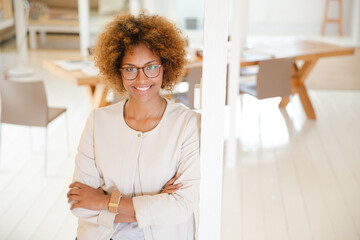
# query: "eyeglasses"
131,73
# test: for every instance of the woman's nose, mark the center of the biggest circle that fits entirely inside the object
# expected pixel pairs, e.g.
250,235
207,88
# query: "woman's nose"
141,76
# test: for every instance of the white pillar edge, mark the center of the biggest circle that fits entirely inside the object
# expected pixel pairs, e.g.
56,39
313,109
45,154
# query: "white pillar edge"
212,120
233,81
84,26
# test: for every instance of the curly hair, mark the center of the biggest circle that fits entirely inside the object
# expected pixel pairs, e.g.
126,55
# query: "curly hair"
125,32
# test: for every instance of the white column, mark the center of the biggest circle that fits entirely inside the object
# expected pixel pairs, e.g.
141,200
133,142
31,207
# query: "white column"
242,12
233,82
356,21
150,6
84,26
134,7
212,120
21,19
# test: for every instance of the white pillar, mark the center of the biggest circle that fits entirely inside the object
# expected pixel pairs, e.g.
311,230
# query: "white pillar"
242,12
356,21
134,7
21,18
233,82
212,120
150,6
84,26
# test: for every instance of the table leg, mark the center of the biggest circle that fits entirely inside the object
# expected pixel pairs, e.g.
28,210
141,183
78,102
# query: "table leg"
97,95
90,89
100,94
298,82
305,101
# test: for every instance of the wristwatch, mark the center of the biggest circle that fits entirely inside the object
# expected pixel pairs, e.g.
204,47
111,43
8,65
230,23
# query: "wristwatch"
114,201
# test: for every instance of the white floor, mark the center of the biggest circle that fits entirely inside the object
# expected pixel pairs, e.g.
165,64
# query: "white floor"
294,178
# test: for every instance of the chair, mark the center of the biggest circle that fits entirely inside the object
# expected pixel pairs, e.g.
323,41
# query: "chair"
25,103
193,77
186,87
273,80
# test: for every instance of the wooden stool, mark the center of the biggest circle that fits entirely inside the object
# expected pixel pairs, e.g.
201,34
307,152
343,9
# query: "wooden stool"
334,20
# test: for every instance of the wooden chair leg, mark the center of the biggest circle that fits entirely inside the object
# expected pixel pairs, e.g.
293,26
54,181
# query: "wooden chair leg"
284,102
325,17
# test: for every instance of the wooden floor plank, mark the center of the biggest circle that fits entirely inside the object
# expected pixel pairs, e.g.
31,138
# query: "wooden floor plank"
317,213
253,208
295,209
274,210
232,205
344,175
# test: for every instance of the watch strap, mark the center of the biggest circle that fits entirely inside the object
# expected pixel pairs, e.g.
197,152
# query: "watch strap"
114,201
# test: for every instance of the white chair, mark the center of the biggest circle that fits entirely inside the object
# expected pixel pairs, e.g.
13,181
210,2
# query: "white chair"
25,103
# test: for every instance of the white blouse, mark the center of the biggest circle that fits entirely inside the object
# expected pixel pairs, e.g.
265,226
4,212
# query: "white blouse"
113,156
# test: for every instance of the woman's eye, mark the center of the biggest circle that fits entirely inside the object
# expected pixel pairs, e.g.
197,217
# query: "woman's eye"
131,69
151,67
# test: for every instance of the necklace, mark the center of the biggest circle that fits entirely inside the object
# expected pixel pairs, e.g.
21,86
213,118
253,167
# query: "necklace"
159,114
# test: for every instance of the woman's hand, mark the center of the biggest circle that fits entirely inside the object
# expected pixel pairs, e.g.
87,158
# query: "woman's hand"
169,187
87,197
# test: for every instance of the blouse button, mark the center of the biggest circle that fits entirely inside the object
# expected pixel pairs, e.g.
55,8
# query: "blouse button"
139,134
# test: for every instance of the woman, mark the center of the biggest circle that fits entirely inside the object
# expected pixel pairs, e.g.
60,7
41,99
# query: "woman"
137,170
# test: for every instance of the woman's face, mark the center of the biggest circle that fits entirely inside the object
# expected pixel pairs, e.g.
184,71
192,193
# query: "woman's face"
142,88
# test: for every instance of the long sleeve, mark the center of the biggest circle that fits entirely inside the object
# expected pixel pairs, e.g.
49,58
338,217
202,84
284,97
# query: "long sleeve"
176,208
87,173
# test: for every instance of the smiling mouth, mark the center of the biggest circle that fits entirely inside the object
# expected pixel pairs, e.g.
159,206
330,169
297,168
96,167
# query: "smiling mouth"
143,89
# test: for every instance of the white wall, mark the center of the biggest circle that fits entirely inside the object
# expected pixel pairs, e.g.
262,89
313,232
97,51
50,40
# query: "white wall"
295,17
166,8
269,16
190,9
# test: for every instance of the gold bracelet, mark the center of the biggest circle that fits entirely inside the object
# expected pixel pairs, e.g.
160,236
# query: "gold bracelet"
114,201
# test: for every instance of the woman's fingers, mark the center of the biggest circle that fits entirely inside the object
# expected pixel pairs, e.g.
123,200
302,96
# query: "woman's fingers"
170,191
171,188
171,181
77,185
74,198
176,186
73,191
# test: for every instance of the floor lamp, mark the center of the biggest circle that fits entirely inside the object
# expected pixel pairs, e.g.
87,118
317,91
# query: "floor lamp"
21,20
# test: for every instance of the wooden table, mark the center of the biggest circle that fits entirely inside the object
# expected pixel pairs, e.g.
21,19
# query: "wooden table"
96,91
305,52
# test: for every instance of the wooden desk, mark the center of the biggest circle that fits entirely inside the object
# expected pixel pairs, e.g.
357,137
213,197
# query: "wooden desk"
306,54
